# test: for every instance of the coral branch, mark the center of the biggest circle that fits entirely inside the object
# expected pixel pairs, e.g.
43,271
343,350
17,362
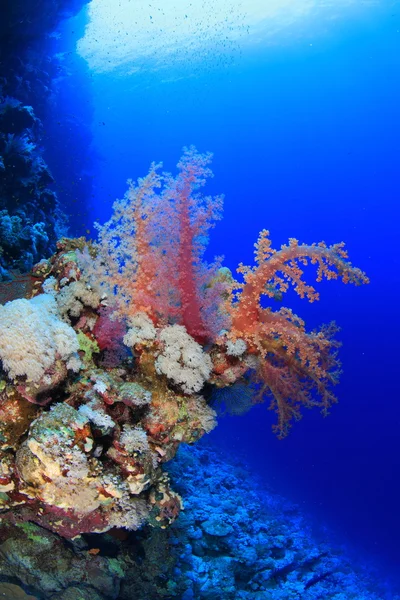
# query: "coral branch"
195,216
128,262
295,367
276,270
150,251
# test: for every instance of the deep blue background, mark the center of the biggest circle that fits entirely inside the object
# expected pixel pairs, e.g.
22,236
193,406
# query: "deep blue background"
307,144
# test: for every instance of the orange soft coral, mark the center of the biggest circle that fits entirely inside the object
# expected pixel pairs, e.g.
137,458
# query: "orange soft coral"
295,367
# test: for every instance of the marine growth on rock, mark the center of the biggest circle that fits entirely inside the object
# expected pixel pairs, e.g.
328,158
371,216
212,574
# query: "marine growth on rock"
114,360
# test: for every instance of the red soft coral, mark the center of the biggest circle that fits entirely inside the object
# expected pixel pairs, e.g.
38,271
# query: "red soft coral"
152,248
295,367
194,216
109,333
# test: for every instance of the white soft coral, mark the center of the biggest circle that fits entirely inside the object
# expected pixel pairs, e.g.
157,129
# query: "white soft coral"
32,336
141,330
182,359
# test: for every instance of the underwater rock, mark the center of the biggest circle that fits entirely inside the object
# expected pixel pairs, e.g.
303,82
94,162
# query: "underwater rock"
15,118
73,593
28,207
267,550
215,526
10,591
41,560
151,574
16,415
57,469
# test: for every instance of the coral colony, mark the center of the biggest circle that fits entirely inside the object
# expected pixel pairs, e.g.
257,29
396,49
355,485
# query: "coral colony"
114,359
28,207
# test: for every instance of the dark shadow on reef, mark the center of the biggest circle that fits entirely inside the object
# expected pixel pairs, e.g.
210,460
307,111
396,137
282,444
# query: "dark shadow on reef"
31,220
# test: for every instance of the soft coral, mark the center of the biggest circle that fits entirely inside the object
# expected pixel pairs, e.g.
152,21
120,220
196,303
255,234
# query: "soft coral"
152,248
295,367
151,256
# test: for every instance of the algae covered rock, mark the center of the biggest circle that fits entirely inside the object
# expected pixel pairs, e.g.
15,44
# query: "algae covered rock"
40,560
10,591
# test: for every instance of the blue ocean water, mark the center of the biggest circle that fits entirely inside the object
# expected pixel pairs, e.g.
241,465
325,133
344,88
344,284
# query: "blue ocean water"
305,136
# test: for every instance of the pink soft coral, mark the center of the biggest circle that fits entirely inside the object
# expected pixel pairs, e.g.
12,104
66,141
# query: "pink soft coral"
152,248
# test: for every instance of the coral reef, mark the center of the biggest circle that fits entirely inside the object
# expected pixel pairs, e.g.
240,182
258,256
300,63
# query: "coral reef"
28,206
83,443
30,215
235,539
111,363
150,262
249,543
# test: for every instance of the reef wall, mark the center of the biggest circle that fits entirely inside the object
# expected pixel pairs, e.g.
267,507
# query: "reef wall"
31,219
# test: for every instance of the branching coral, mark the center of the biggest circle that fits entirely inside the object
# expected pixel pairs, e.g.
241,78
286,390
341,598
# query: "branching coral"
150,251
292,363
193,217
